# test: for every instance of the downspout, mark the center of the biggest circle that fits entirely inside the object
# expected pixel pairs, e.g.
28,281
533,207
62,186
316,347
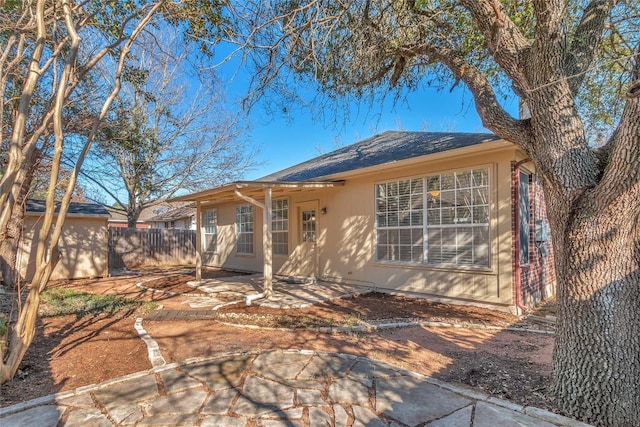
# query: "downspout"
516,202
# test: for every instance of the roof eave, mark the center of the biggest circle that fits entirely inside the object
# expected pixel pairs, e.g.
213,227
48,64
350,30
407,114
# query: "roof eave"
239,185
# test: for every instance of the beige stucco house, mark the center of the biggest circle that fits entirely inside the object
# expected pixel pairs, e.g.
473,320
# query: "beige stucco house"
448,216
82,245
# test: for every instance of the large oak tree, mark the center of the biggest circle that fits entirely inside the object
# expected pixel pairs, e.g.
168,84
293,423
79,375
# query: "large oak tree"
575,64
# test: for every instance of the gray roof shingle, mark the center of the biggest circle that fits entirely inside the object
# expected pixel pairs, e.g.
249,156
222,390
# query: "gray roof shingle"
75,208
388,147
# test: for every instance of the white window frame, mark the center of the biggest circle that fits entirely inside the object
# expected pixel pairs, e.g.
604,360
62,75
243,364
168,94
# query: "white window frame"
209,230
280,226
244,230
469,225
400,220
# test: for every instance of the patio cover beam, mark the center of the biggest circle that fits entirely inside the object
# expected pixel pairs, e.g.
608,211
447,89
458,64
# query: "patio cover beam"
227,192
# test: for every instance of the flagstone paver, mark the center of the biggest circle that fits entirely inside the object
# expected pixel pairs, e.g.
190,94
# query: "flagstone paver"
272,389
289,295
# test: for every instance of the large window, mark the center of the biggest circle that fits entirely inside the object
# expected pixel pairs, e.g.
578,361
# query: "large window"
244,229
280,226
210,230
438,220
400,219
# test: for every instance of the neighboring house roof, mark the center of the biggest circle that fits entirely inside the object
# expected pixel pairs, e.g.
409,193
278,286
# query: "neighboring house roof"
174,214
388,147
146,214
75,208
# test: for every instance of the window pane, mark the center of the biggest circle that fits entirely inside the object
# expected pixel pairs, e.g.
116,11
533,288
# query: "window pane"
448,215
463,198
458,218
433,217
404,218
404,187
480,178
481,214
447,181
383,253
524,215
463,215
481,196
463,179
392,219
447,199
416,218
280,226
309,226
382,237
244,229
209,229
405,236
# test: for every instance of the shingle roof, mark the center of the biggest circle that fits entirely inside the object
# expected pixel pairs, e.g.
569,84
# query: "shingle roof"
75,208
173,214
388,147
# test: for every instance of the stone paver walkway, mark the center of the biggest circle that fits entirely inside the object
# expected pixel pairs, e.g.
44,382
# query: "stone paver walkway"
286,295
276,388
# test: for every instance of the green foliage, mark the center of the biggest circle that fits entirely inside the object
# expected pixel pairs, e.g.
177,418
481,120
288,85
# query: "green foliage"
61,302
202,20
373,48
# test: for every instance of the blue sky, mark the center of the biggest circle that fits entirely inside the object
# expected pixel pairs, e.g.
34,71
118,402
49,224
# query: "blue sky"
283,142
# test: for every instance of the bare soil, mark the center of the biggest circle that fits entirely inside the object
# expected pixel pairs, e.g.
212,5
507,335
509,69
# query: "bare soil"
69,351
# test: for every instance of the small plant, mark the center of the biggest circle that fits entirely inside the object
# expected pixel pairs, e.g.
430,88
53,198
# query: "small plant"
350,320
60,302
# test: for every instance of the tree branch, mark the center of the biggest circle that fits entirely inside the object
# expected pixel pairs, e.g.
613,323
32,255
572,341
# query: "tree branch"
622,170
505,41
585,40
493,116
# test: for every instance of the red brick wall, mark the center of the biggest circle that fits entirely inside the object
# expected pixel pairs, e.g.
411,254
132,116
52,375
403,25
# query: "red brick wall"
538,277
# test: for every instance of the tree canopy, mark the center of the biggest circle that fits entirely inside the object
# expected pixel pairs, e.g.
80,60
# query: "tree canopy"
170,130
576,66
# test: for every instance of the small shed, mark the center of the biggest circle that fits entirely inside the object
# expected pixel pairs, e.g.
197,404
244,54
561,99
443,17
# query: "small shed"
83,243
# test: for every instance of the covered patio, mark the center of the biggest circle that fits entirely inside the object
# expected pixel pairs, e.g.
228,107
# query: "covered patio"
259,194
286,295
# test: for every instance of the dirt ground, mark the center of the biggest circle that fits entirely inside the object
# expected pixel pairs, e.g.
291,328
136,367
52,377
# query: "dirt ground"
69,351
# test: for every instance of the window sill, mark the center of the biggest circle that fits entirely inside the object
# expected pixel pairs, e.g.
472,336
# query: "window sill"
444,268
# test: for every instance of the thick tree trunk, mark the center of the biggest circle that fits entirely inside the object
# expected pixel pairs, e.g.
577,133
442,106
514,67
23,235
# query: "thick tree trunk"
596,361
9,248
11,235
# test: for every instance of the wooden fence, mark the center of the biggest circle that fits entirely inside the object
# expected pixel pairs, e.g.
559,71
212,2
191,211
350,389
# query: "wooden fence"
131,247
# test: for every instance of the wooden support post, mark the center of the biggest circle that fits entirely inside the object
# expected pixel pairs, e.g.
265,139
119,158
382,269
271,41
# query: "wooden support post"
198,241
267,244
